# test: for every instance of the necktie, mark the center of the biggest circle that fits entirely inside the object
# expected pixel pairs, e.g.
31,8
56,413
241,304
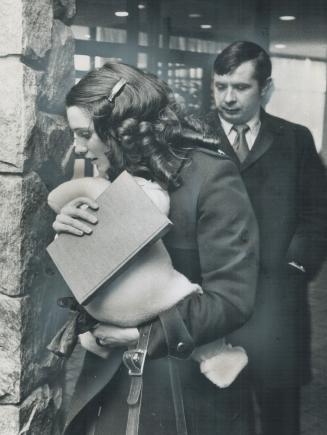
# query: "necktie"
240,144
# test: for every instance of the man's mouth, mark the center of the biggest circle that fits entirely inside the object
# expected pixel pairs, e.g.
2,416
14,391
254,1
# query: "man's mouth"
230,110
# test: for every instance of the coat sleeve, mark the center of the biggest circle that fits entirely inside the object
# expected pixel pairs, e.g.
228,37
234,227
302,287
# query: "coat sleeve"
227,239
308,246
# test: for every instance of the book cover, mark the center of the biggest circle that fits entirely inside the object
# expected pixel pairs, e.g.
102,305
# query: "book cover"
128,221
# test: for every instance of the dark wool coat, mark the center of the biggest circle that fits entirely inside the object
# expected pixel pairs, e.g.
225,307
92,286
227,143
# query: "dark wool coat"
287,186
214,241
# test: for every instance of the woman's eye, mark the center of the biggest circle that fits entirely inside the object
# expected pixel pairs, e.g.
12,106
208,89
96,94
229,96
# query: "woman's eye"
85,135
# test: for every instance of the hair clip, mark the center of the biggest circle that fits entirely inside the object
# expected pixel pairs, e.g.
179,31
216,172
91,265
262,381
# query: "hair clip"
116,89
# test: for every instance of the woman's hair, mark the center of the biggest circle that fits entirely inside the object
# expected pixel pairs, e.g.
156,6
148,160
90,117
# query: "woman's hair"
136,116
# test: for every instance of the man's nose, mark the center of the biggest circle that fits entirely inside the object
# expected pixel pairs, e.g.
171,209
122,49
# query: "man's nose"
230,96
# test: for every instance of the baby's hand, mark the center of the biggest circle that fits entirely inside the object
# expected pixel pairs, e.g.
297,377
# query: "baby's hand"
89,343
114,336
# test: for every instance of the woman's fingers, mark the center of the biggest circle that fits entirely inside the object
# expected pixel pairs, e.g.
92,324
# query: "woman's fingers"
77,202
78,208
113,336
75,217
79,213
66,224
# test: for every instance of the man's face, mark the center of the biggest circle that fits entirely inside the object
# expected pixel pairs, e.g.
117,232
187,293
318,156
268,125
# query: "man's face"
238,94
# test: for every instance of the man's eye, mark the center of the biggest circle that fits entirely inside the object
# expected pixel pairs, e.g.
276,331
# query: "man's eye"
241,87
220,87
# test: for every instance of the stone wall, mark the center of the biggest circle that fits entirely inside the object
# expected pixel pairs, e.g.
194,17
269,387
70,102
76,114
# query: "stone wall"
36,70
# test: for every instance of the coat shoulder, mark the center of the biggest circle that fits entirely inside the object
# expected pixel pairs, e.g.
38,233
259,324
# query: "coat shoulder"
217,153
281,123
203,168
292,133
206,161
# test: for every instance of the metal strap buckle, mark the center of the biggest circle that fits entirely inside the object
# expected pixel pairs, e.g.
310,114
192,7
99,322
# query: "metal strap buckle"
134,361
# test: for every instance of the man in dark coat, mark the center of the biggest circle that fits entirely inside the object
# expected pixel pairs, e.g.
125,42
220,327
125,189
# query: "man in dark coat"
287,186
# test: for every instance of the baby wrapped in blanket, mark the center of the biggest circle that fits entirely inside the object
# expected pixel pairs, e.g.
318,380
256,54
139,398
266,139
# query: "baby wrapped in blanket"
149,286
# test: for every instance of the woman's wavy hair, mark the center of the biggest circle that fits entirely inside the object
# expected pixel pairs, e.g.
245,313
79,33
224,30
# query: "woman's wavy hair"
141,124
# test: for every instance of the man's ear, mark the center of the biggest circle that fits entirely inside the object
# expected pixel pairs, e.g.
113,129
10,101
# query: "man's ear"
267,90
267,87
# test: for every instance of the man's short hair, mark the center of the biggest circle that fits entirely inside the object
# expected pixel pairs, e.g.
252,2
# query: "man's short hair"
243,51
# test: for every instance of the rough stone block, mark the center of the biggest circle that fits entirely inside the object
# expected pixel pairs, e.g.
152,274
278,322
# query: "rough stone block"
10,234
25,27
59,75
11,317
27,325
34,416
18,86
64,10
25,230
11,29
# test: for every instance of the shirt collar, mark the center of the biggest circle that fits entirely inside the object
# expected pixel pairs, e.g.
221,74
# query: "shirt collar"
254,124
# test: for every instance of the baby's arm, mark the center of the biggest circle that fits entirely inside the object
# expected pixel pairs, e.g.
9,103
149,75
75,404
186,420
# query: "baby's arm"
87,187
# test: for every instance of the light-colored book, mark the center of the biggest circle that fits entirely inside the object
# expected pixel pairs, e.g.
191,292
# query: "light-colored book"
128,221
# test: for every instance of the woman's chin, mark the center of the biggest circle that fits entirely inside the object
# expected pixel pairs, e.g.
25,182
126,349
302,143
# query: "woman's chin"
100,172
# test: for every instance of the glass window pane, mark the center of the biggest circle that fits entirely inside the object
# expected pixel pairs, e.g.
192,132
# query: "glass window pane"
301,99
106,34
82,62
99,61
81,32
142,60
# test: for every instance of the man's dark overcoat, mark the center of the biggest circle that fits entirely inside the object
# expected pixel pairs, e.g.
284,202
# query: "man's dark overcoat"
286,183
214,241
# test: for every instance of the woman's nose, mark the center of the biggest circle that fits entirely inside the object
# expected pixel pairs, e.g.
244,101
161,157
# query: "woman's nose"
80,148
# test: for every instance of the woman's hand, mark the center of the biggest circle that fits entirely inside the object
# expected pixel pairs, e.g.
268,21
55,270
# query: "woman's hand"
113,336
74,215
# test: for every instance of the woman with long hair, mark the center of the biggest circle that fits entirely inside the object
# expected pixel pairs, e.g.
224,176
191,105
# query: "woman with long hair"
124,119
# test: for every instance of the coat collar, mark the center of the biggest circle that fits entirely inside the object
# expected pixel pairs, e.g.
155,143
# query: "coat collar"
97,372
270,128
214,128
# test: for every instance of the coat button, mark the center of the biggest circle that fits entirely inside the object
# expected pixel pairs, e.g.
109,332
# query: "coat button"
181,347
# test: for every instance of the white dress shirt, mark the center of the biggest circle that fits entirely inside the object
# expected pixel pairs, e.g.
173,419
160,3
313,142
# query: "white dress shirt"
251,135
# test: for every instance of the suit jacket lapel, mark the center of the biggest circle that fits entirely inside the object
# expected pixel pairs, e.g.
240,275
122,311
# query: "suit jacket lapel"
261,145
269,132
